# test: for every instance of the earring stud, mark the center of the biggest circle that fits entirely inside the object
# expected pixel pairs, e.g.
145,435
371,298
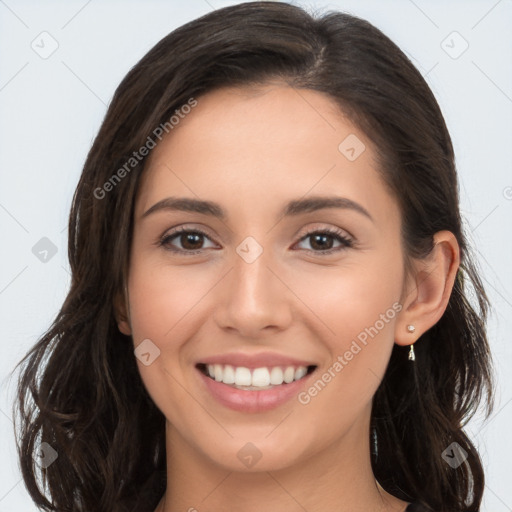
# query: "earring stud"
411,328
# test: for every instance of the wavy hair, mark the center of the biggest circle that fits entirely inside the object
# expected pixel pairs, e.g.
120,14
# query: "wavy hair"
79,389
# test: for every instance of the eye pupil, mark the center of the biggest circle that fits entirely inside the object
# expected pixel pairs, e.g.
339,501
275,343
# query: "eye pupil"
322,245
191,238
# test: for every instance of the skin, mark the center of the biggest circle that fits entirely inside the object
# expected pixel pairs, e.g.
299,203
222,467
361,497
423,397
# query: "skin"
251,150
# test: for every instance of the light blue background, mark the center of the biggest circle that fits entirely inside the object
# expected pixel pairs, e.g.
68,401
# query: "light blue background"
52,108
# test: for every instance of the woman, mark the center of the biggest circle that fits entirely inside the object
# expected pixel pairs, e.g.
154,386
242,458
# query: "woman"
269,303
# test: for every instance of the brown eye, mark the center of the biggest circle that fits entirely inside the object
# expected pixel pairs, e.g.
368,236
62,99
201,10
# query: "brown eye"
321,241
189,241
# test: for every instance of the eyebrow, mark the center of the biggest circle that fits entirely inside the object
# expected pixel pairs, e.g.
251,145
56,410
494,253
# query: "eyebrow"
292,208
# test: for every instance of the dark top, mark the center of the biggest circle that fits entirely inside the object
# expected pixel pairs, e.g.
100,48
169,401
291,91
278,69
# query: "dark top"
417,507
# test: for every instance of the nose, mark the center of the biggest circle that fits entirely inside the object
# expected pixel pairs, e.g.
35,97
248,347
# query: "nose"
254,299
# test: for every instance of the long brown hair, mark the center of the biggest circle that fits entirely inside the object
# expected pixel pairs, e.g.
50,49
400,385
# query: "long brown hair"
79,389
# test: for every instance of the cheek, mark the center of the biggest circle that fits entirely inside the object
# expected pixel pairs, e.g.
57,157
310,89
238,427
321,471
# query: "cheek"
351,297
164,304
162,299
356,307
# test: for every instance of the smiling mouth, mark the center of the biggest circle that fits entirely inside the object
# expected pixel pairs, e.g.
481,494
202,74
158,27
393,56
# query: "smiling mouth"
256,379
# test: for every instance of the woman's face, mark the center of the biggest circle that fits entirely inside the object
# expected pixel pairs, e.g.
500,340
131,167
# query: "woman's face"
275,286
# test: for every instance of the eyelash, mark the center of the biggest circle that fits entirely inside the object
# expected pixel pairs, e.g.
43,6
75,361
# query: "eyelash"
338,235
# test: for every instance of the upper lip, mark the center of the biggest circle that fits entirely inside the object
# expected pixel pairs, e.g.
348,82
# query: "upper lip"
259,360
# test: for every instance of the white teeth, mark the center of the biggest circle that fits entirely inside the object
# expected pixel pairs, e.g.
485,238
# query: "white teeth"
243,376
218,372
300,372
229,375
289,374
259,378
276,376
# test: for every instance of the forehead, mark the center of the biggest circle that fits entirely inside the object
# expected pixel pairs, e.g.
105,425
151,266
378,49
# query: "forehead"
264,142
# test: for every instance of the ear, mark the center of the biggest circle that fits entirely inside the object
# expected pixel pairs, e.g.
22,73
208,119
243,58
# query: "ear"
429,290
121,312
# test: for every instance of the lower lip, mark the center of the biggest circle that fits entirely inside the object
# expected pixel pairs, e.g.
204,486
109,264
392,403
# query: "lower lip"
253,401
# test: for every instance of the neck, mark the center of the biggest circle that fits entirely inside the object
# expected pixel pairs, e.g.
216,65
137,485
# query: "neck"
337,478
